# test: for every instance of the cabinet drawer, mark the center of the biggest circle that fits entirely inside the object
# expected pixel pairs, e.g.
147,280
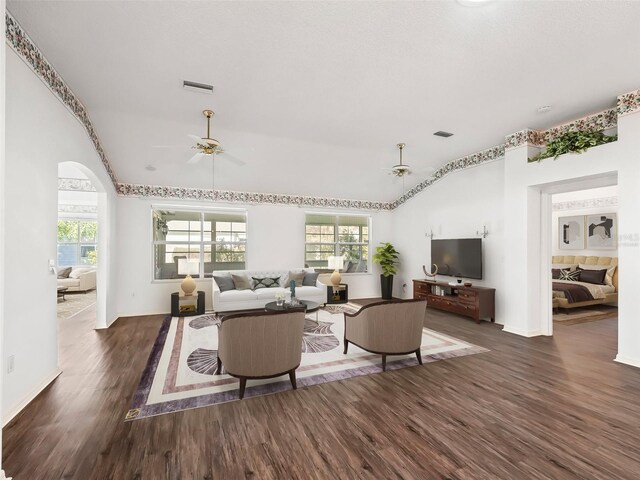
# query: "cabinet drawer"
421,288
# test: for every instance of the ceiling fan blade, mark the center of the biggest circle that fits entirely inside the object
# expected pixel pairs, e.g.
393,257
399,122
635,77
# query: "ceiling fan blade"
196,158
196,139
234,160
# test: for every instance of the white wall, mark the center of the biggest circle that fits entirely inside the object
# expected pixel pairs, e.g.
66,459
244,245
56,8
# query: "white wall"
30,195
275,241
579,196
2,222
455,207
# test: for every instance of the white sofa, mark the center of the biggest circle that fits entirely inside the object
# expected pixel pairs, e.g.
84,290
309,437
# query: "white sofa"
231,300
81,279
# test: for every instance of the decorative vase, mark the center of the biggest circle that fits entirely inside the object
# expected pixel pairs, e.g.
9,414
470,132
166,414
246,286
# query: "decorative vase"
188,285
386,285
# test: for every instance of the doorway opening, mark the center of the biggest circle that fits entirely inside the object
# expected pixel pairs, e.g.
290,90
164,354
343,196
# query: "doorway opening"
80,238
578,252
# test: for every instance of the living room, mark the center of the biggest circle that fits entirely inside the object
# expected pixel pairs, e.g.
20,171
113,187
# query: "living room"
310,103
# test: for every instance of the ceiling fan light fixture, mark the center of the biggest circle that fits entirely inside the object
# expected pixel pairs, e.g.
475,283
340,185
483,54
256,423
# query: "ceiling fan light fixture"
400,170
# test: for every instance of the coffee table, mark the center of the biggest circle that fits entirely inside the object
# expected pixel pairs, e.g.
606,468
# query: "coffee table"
310,307
61,292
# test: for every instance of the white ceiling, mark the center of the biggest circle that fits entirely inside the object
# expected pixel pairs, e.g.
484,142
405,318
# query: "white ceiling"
313,96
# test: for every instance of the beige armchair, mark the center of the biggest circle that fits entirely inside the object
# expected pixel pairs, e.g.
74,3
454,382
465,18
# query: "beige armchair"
389,328
260,345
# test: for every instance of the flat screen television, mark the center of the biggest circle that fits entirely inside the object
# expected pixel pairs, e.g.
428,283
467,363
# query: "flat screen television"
459,257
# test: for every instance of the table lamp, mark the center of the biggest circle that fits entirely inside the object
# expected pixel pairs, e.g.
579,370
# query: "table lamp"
188,268
337,263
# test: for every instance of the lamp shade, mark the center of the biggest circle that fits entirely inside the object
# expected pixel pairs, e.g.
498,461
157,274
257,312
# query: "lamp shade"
337,263
188,267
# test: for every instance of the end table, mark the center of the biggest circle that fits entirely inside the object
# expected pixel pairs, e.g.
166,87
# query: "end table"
337,294
187,305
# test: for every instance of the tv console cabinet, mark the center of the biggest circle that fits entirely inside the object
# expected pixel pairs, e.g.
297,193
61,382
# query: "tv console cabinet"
476,302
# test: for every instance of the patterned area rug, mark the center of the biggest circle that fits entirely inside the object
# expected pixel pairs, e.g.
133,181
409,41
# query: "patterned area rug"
573,316
180,371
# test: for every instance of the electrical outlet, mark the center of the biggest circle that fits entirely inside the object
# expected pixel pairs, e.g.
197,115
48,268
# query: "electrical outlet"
11,363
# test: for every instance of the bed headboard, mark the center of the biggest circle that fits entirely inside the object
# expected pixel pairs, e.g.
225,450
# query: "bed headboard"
604,261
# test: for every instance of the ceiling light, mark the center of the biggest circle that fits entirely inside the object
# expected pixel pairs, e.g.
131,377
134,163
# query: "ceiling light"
197,87
544,109
441,133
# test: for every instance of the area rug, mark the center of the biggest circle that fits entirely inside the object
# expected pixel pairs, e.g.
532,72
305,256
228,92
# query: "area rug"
75,303
575,316
180,371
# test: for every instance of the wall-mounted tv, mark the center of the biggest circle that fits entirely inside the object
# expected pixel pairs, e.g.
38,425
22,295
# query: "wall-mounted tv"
459,257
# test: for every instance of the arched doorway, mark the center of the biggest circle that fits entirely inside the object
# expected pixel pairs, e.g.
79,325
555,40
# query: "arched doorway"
83,214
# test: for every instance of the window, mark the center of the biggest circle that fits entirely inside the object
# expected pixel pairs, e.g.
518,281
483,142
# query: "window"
77,242
329,235
197,243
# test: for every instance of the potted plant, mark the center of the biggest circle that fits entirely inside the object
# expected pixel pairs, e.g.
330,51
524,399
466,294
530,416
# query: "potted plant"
387,257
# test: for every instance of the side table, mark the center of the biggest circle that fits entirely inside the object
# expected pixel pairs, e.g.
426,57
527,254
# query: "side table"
337,294
187,305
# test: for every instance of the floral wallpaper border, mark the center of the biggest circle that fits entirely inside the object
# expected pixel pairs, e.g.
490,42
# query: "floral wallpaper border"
136,190
588,203
75,185
628,103
78,209
597,122
20,42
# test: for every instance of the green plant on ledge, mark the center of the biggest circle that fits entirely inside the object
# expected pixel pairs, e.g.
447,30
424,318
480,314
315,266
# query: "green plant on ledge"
387,257
573,142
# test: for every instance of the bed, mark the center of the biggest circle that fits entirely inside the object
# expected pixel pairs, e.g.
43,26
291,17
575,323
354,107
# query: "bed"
566,294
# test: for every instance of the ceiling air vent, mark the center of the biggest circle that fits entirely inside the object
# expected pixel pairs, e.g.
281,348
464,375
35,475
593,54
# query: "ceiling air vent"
440,133
197,87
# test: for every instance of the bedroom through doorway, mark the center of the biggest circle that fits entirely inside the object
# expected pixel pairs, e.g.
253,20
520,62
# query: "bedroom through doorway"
584,264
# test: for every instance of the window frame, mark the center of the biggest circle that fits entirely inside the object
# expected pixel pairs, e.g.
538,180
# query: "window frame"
337,243
78,243
201,244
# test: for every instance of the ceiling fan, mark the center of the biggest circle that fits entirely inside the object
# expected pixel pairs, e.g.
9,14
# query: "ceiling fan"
401,169
205,145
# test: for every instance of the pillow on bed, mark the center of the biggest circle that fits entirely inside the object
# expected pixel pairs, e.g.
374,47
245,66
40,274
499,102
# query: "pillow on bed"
593,276
611,269
569,275
555,272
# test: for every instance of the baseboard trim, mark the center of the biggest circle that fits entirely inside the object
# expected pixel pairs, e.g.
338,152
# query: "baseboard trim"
628,361
522,333
29,398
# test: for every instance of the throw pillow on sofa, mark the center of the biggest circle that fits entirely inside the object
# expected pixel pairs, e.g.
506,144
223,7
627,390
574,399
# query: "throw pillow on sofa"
79,271
310,279
266,282
64,273
225,282
297,277
241,281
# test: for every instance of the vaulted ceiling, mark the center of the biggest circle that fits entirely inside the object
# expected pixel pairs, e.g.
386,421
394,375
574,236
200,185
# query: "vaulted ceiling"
313,96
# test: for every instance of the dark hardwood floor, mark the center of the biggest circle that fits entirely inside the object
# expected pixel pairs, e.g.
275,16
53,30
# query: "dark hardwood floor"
552,408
